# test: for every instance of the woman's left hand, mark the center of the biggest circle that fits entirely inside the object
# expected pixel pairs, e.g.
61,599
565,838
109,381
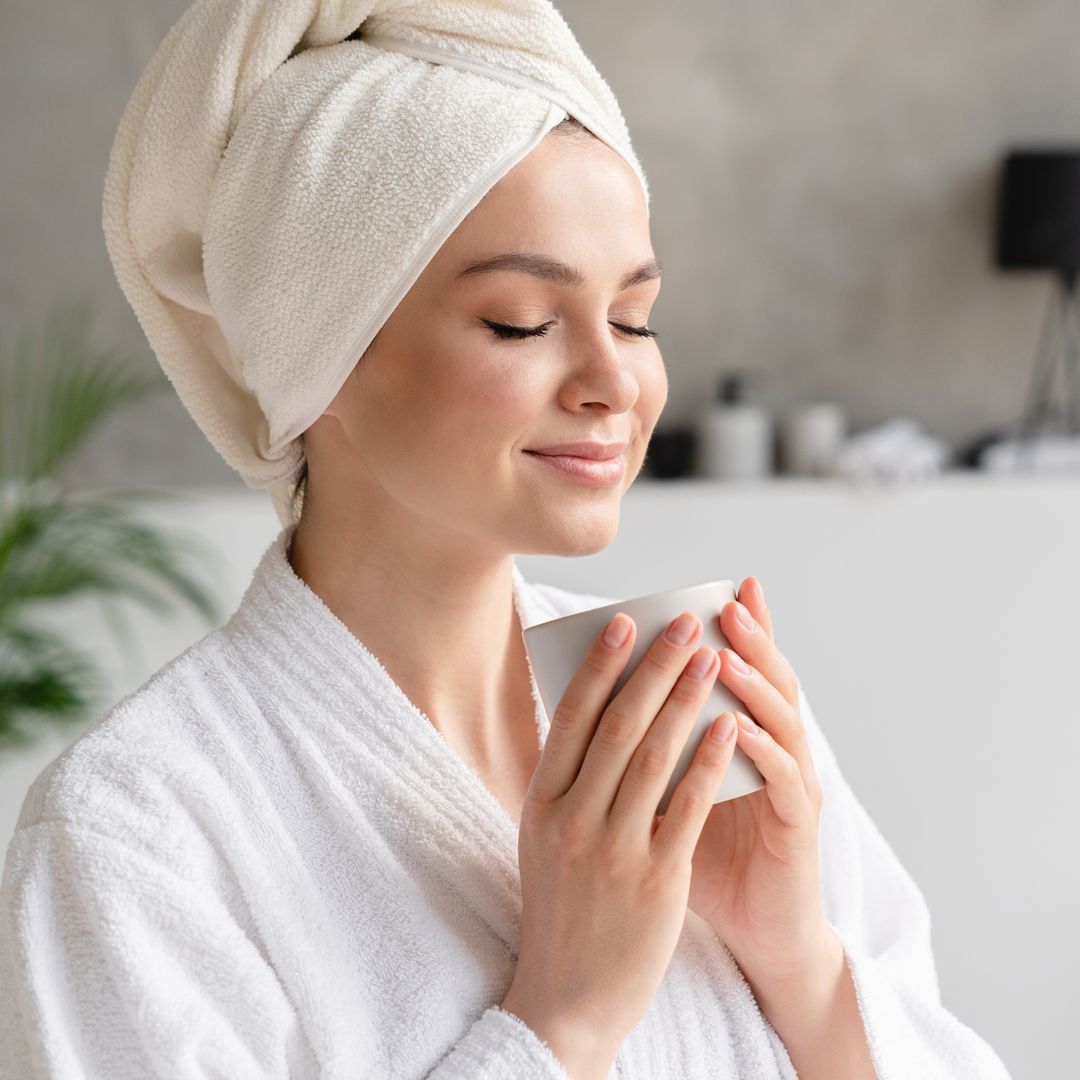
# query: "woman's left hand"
755,868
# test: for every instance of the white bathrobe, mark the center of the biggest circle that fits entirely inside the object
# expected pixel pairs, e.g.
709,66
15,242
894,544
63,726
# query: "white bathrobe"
267,863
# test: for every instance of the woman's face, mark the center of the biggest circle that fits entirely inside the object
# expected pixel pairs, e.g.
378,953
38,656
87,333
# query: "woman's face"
434,423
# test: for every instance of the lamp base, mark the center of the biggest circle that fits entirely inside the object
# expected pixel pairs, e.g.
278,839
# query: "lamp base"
1059,348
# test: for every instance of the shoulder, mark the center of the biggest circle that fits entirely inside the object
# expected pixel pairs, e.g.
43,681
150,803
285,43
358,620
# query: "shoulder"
120,776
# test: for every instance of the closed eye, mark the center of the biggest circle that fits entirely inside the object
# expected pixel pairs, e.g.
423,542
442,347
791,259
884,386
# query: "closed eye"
504,331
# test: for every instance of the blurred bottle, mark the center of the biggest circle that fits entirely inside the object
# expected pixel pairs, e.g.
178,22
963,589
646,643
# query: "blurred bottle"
671,453
810,436
735,437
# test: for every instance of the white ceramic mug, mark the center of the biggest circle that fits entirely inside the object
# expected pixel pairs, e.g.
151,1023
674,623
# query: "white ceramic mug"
557,648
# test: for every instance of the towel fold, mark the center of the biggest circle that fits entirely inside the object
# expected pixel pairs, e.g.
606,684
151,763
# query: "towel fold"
1047,453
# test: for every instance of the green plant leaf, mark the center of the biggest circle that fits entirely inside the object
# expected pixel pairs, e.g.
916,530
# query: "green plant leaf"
56,545
58,388
43,679
61,549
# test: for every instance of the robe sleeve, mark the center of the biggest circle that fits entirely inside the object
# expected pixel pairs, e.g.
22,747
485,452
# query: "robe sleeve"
500,1046
113,967
883,922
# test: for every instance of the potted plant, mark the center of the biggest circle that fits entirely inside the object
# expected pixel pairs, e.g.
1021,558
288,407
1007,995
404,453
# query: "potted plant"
57,544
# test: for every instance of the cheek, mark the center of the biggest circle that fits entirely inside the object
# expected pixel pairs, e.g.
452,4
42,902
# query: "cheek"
499,398
400,418
468,412
656,370
653,390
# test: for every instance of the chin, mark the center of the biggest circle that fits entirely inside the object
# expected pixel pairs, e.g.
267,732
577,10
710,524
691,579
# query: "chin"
574,533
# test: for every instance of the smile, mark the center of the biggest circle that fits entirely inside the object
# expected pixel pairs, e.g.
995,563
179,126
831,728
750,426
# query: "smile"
584,470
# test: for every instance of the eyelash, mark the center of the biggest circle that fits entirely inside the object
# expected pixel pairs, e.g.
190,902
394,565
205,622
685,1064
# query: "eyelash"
504,331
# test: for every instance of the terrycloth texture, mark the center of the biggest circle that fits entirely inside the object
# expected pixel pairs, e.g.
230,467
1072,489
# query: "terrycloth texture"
266,863
275,189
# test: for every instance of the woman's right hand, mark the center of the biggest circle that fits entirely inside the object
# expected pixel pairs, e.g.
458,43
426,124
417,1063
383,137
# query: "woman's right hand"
604,885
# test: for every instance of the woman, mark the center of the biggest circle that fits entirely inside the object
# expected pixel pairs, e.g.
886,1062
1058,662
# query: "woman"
334,838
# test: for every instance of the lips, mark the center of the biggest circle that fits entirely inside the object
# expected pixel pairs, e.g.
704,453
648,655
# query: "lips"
602,472
590,450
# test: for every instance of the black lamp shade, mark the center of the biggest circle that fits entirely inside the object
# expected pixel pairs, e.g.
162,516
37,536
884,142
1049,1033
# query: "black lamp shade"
1039,211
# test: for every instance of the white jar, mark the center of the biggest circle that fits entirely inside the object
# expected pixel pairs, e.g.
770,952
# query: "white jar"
810,438
735,437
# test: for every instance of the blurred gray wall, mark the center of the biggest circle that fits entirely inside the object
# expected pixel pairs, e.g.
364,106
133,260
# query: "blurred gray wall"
824,180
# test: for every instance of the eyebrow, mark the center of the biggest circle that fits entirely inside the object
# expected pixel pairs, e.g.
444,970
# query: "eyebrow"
558,272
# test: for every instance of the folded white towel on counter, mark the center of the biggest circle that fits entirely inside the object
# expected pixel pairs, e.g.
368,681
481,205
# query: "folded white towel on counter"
267,864
284,171
1046,453
896,451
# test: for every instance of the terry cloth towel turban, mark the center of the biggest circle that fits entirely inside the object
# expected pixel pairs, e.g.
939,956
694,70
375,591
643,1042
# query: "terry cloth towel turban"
284,171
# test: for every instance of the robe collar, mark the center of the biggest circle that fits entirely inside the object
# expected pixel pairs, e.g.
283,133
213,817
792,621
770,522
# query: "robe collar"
467,835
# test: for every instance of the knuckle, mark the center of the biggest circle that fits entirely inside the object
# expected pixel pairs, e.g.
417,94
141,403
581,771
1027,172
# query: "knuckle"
691,803
651,760
620,864
659,659
616,728
670,873
537,817
565,716
657,880
715,754
687,690
569,832
598,661
710,753
717,763
791,768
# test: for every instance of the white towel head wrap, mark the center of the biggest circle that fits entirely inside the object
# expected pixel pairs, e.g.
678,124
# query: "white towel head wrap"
284,171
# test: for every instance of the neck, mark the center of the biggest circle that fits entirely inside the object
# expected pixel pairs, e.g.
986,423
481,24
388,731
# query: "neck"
444,626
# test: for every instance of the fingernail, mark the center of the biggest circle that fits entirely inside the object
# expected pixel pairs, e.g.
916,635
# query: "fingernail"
738,663
681,629
747,724
723,727
617,631
700,663
744,617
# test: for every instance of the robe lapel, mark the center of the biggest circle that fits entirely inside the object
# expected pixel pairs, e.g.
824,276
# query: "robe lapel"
432,810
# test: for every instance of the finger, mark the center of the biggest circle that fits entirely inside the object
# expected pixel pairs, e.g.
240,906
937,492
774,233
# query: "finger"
649,772
758,649
630,714
769,707
676,836
580,707
783,774
752,595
